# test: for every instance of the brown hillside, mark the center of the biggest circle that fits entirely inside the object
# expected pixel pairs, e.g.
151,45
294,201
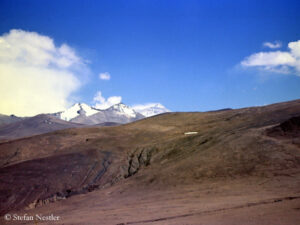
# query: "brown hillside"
151,171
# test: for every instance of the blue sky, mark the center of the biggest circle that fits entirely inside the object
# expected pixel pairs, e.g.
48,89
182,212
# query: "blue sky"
184,54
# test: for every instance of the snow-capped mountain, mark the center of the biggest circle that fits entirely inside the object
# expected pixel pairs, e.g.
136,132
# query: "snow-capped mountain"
123,109
150,109
77,110
85,114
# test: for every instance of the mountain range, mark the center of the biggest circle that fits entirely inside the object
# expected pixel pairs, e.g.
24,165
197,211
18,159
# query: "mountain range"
78,115
85,114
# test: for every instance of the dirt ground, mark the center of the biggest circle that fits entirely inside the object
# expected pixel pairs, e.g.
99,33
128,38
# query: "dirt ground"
239,167
222,201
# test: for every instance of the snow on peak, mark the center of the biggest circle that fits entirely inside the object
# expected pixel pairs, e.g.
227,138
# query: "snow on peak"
76,110
123,109
150,109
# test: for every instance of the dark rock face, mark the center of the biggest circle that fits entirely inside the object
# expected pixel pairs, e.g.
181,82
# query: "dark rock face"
140,157
290,127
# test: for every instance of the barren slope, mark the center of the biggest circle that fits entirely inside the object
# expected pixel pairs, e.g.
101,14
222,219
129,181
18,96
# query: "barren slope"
149,171
39,124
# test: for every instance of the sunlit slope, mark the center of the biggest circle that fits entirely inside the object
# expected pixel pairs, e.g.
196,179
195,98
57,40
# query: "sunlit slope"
153,152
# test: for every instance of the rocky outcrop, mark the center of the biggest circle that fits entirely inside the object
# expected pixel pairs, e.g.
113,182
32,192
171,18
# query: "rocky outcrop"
139,158
289,128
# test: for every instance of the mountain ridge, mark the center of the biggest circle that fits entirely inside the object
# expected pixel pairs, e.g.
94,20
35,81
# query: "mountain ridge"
78,115
39,124
117,113
88,115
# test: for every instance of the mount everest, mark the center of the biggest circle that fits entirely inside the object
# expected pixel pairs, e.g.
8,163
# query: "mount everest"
118,113
78,115
85,114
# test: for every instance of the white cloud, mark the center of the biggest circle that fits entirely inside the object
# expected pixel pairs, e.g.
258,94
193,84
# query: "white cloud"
103,103
295,48
273,45
287,62
269,59
35,75
104,76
